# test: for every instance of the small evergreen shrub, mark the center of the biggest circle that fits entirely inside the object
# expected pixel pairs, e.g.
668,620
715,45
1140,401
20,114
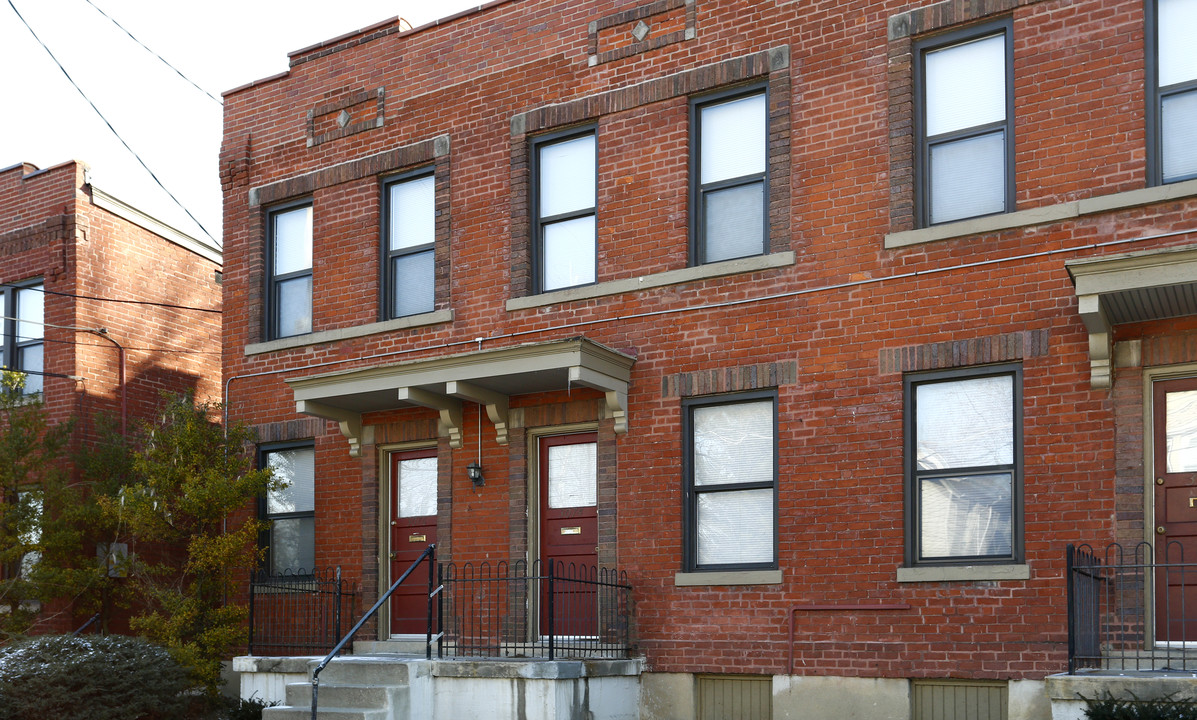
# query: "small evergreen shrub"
92,677
251,709
1165,708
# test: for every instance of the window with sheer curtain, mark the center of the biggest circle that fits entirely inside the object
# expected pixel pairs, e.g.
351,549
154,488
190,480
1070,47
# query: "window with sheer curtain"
730,199
291,510
1172,76
964,94
964,466
22,333
289,258
730,469
410,221
564,190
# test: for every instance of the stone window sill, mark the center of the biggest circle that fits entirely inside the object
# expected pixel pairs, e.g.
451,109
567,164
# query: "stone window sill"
661,279
733,577
327,336
1042,215
963,573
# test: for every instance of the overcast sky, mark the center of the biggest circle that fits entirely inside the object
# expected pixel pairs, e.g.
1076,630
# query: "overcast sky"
175,128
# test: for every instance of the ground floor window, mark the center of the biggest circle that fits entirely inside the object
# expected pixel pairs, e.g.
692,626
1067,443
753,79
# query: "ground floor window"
291,509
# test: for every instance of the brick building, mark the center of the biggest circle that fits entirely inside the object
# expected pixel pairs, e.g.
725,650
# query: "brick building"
849,316
104,306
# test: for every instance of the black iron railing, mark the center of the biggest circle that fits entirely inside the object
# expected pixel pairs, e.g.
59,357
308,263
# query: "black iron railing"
1131,608
535,610
298,613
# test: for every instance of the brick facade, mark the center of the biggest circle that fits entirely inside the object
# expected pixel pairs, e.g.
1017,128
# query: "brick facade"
849,299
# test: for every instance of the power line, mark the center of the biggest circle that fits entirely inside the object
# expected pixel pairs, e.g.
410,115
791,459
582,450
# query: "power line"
114,132
52,341
164,62
111,300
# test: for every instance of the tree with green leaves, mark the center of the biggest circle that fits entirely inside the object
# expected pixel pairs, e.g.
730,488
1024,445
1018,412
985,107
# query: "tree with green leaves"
45,518
187,477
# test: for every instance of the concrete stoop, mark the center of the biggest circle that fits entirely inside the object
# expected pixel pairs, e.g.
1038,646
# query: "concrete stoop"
405,687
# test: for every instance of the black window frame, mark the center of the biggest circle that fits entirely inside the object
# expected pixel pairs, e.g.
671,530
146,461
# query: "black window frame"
698,191
387,279
263,507
1155,96
691,492
912,475
538,223
273,281
12,347
922,156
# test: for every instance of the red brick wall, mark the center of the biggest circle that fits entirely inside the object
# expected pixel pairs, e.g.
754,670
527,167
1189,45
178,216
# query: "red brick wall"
846,313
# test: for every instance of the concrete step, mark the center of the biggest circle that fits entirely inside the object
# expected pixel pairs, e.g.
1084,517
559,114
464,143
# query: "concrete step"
366,697
323,713
391,647
364,670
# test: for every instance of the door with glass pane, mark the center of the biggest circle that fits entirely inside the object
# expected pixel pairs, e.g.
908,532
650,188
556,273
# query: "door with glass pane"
1174,408
568,467
413,528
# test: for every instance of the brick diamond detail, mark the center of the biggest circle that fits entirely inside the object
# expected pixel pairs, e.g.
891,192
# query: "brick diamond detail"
344,118
640,31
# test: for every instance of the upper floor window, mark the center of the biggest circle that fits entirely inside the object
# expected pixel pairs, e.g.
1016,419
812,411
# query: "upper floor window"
291,510
22,333
1172,103
964,466
289,258
964,95
730,199
730,469
409,262
564,190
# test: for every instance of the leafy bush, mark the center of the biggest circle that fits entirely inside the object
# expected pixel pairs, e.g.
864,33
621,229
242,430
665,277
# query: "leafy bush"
1165,708
92,677
238,709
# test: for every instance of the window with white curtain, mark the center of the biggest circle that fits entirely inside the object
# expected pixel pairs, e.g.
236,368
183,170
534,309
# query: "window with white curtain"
730,469
964,123
730,195
565,186
1172,78
22,332
964,465
291,510
289,257
410,238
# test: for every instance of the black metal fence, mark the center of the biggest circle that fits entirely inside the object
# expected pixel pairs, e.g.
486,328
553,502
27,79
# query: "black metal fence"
534,610
298,613
1131,609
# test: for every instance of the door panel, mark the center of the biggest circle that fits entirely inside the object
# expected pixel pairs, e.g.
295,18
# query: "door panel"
1174,412
569,530
413,528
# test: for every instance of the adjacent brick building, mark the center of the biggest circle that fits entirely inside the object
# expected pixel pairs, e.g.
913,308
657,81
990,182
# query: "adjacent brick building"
105,307
856,306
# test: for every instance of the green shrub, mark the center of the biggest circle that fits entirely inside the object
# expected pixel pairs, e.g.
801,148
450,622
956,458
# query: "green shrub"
1165,708
238,709
92,677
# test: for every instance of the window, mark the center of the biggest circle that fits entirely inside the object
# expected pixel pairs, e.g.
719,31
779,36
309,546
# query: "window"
21,332
730,469
289,257
291,510
965,98
964,466
730,198
409,260
564,190
1172,95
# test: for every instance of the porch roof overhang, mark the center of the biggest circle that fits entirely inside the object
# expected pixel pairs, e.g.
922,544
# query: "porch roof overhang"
1127,288
485,377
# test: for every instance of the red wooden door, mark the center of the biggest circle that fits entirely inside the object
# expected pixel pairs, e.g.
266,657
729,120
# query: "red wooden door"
413,528
1174,410
569,532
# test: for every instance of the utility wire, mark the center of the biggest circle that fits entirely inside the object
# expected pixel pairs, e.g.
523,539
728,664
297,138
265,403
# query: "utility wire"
51,341
114,132
164,62
111,300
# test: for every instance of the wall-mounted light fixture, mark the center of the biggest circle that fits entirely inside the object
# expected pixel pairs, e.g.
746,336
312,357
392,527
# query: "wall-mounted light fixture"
474,472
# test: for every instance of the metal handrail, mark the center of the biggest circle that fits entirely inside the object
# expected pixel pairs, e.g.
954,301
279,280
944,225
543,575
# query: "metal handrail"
429,554
85,625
